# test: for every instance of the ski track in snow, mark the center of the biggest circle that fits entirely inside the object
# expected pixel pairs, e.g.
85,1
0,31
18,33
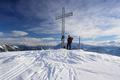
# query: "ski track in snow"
58,65
17,70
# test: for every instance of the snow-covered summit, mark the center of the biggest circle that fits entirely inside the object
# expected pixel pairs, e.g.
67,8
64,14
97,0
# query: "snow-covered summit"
58,64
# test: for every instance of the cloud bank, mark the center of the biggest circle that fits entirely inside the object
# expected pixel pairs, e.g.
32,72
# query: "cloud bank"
92,20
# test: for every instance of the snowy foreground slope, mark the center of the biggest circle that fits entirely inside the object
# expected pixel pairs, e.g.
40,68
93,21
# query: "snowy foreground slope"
58,65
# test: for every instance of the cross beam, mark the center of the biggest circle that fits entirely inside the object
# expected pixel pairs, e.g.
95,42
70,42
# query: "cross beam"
63,16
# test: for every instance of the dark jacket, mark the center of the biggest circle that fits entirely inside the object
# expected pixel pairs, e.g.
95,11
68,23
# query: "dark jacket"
69,40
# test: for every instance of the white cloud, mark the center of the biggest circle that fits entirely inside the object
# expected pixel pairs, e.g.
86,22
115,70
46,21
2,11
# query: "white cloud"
49,38
112,31
19,33
30,41
82,29
89,28
1,34
117,39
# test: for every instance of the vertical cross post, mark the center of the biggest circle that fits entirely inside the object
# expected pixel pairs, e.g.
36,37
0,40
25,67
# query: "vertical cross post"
63,28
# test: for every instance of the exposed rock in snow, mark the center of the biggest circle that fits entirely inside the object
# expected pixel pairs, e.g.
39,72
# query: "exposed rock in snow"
58,65
6,47
1,49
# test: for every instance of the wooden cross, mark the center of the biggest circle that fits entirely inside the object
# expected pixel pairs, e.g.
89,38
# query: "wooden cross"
63,16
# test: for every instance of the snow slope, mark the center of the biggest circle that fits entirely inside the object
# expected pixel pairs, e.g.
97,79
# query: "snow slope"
58,65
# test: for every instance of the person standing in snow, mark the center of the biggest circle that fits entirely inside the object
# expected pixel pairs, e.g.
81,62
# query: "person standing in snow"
69,42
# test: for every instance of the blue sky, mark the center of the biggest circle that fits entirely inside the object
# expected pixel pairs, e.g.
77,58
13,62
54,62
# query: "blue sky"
93,20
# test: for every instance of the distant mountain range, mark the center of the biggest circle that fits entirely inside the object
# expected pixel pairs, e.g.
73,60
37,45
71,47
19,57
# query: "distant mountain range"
105,47
107,43
112,47
7,47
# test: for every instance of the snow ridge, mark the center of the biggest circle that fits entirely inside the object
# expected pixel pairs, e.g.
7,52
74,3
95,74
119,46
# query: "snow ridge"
60,64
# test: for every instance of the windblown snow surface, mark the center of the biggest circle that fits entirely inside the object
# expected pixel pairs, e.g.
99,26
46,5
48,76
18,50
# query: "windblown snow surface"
58,65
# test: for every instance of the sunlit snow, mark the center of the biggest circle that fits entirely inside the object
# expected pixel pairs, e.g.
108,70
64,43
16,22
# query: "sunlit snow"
58,64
